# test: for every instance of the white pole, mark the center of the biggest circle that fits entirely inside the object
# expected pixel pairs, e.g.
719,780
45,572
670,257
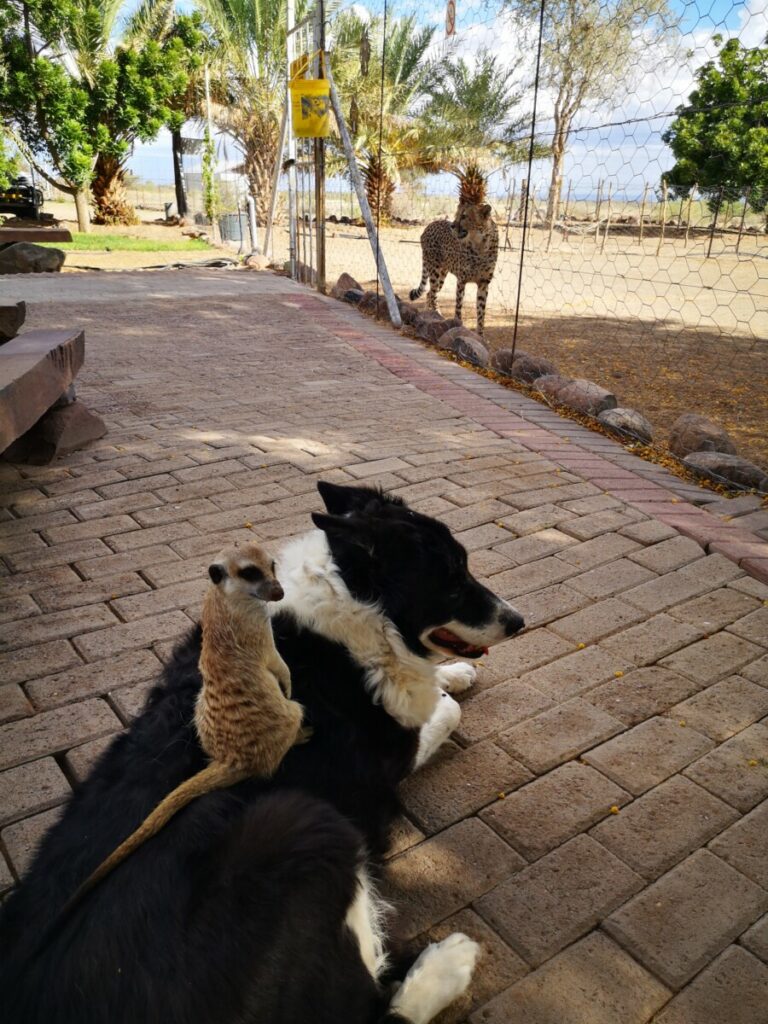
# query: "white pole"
292,184
268,240
252,227
362,198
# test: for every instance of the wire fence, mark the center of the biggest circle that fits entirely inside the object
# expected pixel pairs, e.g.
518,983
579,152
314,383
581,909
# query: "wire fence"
659,294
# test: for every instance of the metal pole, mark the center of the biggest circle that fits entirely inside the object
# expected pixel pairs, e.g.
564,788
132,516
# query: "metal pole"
268,241
252,227
714,222
354,173
291,18
663,216
320,156
688,215
510,211
743,217
216,233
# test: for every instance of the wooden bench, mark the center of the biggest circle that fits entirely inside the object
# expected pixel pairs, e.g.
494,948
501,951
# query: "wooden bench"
10,235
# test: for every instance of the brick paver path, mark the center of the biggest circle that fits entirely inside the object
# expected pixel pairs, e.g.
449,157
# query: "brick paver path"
600,820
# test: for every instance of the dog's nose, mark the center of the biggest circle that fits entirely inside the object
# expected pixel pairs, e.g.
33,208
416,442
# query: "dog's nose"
511,621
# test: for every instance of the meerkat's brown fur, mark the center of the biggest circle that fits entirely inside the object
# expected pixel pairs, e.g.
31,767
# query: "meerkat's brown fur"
245,721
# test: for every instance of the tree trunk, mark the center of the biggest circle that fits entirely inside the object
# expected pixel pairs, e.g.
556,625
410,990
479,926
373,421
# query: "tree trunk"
82,206
109,195
379,189
558,152
182,207
260,147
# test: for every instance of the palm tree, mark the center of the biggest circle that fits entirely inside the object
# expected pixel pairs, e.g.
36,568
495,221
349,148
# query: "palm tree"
473,121
388,84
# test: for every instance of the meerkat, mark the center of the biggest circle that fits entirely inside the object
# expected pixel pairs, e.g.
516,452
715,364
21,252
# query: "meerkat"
244,718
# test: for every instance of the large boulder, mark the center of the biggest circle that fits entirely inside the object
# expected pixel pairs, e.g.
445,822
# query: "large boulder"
694,433
344,284
58,432
409,313
433,330
28,258
586,397
527,368
466,345
724,467
11,320
551,385
628,422
502,359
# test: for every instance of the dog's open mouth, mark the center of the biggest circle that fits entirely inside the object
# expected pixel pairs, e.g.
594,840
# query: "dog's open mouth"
446,640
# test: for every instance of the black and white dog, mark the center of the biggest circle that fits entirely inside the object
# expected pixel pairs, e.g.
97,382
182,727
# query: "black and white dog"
256,904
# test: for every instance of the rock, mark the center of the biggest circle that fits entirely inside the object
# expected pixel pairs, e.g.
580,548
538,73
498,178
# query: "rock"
35,370
256,261
11,320
423,322
694,433
353,296
721,466
435,329
586,397
58,432
466,345
529,368
28,258
67,398
344,284
368,302
503,358
551,385
408,313
627,421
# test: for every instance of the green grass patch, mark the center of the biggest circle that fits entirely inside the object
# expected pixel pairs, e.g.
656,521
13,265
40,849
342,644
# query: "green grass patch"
82,242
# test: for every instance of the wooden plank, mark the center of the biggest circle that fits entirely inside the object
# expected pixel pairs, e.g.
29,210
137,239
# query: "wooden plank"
8,235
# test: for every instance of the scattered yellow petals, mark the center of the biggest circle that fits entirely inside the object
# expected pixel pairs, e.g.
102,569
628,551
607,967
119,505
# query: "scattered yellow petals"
501,796
614,809
726,519
682,723
248,526
675,501
113,597
618,674
753,762
580,647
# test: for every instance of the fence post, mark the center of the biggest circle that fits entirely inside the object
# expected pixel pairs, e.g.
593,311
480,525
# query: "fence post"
558,187
608,218
357,181
663,215
320,154
598,205
510,211
642,215
743,217
714,221
688,215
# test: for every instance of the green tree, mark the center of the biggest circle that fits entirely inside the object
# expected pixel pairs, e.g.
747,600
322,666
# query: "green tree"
589,48
392,122
76,103
9,161
720,136
474,122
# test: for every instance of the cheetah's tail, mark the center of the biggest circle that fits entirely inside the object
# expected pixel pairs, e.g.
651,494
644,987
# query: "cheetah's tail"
416,293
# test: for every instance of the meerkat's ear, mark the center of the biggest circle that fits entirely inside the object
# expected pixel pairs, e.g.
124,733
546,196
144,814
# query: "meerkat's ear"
217,572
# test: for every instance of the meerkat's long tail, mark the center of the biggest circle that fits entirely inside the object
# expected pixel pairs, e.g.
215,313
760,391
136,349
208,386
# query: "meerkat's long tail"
416,293
214,776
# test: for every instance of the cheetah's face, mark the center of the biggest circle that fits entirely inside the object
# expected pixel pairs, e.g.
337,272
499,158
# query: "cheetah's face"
472,224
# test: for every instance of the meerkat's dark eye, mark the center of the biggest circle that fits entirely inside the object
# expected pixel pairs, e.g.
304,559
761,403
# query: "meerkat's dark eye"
217,573
251,574
272,568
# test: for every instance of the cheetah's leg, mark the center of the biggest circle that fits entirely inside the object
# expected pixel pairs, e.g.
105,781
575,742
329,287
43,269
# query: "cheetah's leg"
436,282
460,286
416,293
482,298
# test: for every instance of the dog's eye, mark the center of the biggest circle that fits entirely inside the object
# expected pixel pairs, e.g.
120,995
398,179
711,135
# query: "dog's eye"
251,574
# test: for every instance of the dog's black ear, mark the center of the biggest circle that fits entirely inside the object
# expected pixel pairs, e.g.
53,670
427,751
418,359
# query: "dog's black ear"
338,499
351,529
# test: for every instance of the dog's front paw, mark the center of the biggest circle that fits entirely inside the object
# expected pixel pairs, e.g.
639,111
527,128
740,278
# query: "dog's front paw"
456,678
440,975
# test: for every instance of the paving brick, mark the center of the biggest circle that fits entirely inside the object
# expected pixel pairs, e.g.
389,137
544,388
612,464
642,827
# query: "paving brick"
544,606
126,561
641,694
534,576
87,592
525,652
678,924
648,754
94,679
552,809
363,470
663,826
38,506
724,708
744,845
749,585
137,486
592,982
535,519
558,734
459,782
21,606
716,609
576,673
546,495
11,527
479,536
486,563
54,731
756,938
732,990
497,968
129,701
597,621
598,523
752,627
80,760
148,537
31,662
187,595
141,633
22,542
13,703
652,639
27,582
7,881
108,507
737,770
756,671
554,901
92,528
591,553
402,836
442,875
714,657
30,788
649,532
535,546
487,712
588,506
669,554
694,579
55,626
613,578
86,481
23,837
58,554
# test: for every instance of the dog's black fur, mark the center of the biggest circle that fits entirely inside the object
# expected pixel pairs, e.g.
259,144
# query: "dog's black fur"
233,913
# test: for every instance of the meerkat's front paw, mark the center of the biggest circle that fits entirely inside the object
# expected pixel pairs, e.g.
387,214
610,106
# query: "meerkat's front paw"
306,732
456,678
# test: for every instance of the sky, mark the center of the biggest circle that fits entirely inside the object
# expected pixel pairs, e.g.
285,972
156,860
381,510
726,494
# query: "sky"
618,141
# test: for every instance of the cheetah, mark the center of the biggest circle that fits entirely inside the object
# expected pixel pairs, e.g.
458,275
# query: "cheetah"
467,247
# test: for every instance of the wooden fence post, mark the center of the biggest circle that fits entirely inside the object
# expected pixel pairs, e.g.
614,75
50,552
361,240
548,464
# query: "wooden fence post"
642,214
663,216
608,218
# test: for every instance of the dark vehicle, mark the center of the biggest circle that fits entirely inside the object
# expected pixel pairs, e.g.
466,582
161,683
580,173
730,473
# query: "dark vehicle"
21,198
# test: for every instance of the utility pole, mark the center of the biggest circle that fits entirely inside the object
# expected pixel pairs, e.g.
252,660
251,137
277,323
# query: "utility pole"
320,60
